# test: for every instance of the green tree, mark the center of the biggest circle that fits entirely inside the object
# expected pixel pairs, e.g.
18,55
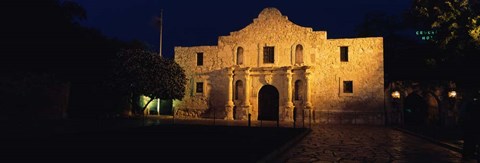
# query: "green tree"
139,72
456,42
456,22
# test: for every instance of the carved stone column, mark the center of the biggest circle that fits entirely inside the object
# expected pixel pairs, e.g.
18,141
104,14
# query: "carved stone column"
229,103
308,104
307,90
289,104
246,100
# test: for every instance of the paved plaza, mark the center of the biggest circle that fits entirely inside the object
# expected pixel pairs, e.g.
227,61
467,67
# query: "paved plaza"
325,143
332,143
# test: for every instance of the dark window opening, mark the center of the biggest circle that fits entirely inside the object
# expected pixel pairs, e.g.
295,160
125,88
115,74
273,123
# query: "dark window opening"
199,88
347,86
268,54
199,59
344,54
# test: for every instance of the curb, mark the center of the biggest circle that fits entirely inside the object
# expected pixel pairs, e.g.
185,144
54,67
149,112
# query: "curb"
432,140
272,156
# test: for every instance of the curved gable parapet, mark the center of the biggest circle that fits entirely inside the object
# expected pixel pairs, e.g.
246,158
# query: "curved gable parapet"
271,21
270,13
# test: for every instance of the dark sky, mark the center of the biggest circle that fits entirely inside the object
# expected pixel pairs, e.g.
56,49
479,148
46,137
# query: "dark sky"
200,22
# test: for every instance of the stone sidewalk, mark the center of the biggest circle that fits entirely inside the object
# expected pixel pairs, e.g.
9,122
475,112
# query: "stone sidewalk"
331,143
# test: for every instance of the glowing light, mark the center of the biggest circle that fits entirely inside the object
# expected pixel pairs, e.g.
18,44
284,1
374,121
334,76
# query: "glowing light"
452,94
175,103
144,100
158,106
396,94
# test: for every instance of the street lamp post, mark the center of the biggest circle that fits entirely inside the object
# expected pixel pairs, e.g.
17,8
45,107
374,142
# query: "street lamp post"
452,94
396,96
449,113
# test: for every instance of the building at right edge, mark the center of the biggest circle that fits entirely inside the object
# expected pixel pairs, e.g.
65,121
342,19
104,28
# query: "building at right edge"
274,69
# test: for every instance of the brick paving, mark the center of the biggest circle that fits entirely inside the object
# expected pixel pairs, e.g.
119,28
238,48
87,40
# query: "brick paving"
331,143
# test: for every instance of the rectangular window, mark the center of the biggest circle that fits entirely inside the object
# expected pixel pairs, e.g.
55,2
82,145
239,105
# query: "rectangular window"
268,54
344,53
347,86
199,59
199,88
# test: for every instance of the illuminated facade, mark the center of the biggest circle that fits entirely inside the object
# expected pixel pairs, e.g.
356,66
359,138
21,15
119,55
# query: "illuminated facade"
274,69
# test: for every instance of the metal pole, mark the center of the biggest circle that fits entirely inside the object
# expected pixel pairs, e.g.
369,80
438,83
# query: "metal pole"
310,118
294,116
303,118
355,117
385,121
143,120
313,116
249,119
161,31
278,122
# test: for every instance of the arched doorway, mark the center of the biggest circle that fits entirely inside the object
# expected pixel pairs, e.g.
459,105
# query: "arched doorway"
415,109
268,103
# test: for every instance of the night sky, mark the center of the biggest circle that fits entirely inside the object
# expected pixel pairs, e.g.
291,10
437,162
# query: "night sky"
191,23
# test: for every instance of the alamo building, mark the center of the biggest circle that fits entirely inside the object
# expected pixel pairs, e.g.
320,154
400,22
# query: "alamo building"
274,69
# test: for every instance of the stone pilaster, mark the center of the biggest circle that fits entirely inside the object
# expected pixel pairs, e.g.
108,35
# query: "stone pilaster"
308,104
289,104
229,103
246,100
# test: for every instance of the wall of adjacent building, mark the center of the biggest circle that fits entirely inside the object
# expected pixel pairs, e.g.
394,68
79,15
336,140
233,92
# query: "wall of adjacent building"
194,104
364,68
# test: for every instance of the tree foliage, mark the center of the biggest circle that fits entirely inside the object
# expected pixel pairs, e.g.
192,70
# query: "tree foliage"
456,43
46,38
456,22
140,72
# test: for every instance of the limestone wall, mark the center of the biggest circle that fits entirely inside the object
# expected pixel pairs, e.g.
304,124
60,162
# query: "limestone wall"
187,59
364,68
321,59
271,29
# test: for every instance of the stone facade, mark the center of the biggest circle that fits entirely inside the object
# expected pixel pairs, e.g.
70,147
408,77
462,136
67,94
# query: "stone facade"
307,71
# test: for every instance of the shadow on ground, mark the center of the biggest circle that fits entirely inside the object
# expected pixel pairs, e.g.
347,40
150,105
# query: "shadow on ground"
450,136
178,143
